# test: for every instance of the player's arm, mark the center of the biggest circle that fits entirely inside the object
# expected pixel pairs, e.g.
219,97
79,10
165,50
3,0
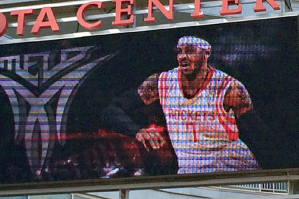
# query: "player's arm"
148,90
252,129
237,98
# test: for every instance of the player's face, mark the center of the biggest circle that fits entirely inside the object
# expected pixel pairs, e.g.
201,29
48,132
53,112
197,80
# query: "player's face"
190,58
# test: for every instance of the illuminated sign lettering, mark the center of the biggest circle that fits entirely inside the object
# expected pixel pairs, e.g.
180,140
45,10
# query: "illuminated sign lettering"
46,17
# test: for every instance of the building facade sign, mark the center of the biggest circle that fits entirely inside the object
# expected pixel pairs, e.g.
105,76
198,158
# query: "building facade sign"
46,17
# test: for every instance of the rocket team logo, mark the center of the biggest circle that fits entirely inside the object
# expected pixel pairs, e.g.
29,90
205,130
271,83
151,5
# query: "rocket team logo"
41,88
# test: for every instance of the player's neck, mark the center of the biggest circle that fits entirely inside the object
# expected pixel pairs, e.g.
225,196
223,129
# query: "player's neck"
198,74
192,84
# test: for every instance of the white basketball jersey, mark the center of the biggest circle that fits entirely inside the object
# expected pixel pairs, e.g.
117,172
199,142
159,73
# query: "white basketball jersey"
204,136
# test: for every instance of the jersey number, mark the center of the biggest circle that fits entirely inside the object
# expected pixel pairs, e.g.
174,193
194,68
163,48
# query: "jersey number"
191,127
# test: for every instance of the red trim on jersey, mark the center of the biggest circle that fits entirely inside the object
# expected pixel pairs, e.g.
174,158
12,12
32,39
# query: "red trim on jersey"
232,135
162,86
228,118
204,85
226,81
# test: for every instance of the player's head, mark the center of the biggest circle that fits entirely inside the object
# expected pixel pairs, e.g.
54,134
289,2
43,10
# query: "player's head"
193,52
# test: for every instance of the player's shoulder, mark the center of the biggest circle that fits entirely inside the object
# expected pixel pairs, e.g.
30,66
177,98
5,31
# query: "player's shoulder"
170,74
220,74
172,71
222,77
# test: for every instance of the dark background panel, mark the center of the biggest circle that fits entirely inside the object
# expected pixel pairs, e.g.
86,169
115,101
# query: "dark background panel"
262,54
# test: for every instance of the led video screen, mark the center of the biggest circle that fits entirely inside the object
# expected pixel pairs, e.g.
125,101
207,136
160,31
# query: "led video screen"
201,99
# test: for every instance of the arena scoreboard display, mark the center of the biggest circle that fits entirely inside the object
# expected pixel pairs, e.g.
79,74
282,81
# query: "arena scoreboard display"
70,108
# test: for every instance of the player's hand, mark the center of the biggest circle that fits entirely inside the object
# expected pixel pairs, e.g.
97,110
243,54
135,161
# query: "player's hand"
151,135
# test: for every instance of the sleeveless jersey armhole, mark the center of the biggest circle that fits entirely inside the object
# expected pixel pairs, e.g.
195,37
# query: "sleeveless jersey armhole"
226,119
162,87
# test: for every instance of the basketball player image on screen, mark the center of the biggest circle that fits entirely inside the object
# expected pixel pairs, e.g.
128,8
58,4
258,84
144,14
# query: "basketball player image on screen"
200,105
